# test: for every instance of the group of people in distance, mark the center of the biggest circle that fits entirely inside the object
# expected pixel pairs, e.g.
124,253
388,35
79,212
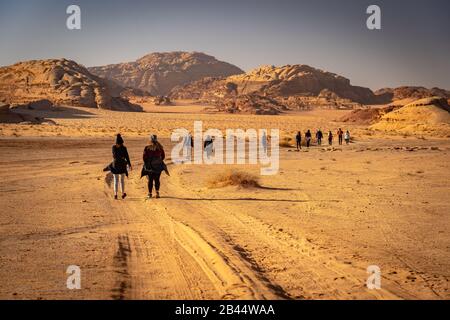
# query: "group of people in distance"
154,155
319,136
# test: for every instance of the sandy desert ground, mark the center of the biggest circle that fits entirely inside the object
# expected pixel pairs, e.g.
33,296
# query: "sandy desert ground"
309,232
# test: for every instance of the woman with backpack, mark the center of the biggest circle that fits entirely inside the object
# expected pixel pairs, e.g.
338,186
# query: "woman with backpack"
119,166
153,157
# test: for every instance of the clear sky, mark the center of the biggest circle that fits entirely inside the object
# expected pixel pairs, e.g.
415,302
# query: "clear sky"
413,47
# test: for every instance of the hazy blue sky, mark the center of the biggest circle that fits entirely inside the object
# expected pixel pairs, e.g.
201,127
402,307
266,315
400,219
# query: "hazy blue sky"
413,47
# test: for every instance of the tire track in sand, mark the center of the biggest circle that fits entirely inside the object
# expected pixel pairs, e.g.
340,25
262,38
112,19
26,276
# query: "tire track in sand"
166,258
316,273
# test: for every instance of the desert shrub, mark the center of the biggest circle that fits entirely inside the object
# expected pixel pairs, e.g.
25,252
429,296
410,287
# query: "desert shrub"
285,142
234,178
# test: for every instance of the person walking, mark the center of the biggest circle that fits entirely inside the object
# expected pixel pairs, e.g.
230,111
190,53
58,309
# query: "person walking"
187,146
208,146
298,139
340,134
319,136
330,138
153,157
308,138
347,137
264,141
121,161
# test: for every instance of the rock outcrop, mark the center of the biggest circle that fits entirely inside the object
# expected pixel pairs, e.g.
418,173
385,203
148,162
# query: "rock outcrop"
8,115
251,104
286,81
62,82
162,101
424,116
299,79
325,100
159,73
367,115
297,87
412,93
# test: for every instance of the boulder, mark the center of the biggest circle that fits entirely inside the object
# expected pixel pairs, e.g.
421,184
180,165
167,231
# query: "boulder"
162,101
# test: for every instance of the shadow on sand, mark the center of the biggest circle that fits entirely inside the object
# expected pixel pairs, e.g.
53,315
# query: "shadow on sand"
245,199
231,199
56,112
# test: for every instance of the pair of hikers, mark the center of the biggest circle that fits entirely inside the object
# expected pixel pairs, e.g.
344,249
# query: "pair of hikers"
154,165
319,137
345,136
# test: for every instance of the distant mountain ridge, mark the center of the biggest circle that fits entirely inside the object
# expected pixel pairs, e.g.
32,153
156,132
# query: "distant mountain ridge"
158,73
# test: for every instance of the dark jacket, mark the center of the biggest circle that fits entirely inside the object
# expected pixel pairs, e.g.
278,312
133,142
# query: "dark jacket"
109,167
153,161
121,160
207,143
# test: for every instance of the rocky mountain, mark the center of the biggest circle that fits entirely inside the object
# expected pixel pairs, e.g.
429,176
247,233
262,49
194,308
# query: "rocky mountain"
299,87
62,82
294,86
299,80
159,73
286,81
410,92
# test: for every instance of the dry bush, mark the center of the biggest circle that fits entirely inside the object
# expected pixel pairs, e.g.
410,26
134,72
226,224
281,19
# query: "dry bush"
234,178
286,143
